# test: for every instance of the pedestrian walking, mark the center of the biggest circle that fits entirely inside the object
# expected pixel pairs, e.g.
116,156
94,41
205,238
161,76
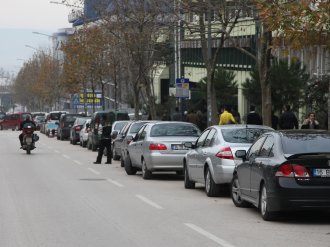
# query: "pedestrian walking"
253,117
288,120
104,129
192,117
177,116
226,117
310,122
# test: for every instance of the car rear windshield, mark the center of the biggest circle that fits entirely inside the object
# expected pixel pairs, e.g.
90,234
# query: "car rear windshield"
306,143
81,121
70,119
243,135
174,129
55,116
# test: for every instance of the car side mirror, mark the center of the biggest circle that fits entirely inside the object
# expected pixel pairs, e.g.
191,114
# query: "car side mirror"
114,134
241,154
129,138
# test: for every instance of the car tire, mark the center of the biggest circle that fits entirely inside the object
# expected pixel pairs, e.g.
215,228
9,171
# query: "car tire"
1,127
114,155
146,174
236,194
211,188
188,184
122,163
130,170
179,173
74,142
263,205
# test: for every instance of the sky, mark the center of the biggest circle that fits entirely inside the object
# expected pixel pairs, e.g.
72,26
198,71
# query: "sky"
18,19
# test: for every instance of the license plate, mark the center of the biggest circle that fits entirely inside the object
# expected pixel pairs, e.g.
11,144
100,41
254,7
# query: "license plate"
178,147
28,140
321,172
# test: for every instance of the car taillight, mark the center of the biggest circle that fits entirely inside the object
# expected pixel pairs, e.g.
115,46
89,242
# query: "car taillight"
225,153
292,170
157,146
77,128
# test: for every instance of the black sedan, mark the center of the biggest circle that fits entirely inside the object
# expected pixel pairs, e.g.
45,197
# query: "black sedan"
284,170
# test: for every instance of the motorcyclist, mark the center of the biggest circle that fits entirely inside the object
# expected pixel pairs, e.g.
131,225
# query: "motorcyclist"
26,121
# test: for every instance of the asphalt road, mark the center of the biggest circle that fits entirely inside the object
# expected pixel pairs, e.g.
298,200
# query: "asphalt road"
57,197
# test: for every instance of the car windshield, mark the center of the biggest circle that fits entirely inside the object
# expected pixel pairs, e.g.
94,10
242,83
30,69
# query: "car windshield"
120,125
70,119
135,127
174,129
306,143
81,121
243,135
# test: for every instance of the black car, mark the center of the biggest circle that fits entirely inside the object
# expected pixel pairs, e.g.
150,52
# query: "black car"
284,170
64,125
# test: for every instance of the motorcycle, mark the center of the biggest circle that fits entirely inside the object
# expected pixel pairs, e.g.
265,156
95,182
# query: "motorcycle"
29,138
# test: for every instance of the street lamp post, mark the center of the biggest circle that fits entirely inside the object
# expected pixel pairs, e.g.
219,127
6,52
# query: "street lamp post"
29,46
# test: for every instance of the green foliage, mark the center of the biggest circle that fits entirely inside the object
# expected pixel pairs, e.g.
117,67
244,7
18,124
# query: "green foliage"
225,87
287,85
315,96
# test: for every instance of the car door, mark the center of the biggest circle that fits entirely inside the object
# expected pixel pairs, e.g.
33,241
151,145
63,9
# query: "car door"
203,153
194,158
135,147
261,162
244,169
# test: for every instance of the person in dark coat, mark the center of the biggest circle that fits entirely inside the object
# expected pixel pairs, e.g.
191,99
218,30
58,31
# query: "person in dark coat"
26,121
253,117
105,141
288,120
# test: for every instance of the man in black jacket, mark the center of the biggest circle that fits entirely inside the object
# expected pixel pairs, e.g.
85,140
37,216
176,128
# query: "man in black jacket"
105,142
288,120
253,117
26,121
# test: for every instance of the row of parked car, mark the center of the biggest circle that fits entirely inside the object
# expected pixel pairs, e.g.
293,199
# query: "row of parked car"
272,170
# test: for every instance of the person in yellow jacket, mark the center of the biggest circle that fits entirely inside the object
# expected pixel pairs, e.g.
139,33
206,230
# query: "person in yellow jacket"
226,117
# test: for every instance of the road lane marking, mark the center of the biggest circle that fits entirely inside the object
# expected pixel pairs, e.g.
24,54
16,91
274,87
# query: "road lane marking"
210,236
78,162
115,183
66,156
151,203
94,171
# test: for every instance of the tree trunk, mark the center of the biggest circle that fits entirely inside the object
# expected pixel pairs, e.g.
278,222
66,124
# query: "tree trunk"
263,61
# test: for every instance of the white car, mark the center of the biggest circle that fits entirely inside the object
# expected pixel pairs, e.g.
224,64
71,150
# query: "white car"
83,134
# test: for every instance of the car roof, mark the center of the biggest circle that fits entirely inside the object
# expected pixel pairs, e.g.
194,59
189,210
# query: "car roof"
239,126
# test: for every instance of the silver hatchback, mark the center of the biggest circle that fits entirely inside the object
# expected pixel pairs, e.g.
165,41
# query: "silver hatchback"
211,161
159,146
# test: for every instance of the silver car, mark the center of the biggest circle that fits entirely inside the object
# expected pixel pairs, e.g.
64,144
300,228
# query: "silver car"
159,146
211,161
83,134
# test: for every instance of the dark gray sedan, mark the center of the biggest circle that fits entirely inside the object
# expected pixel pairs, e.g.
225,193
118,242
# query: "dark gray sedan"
284,170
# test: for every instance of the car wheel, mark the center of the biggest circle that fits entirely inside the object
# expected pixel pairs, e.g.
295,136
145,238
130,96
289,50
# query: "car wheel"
146,174
1,127
236,194
122,163
263,205
114,155
130,170
211,188
84,143
188,184
74,142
